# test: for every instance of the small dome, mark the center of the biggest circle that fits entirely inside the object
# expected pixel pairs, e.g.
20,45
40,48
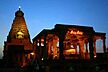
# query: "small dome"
19,13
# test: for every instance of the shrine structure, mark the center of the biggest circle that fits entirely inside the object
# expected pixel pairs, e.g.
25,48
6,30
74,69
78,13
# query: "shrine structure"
18,47
67,42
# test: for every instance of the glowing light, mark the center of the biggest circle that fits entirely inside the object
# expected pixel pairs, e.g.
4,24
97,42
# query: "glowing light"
32,53
37,44
42,59
76,32
20,33
95,56
71,50
72,46
19,7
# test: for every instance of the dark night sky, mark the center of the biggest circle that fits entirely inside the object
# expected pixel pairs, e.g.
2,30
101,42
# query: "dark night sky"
40,14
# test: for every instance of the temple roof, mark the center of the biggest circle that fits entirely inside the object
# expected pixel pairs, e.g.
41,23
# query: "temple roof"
62,28
82,28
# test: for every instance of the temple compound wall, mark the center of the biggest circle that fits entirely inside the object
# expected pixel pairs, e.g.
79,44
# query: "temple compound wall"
67,42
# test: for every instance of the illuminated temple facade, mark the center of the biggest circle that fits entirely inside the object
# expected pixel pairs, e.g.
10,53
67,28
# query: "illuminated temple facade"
18,47
61,42
67,42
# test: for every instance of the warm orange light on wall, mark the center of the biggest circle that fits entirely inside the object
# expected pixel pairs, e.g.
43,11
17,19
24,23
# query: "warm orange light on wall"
70,51
42,40
76,32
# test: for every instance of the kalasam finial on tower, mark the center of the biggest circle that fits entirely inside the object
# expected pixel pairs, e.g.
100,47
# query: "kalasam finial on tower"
19,4
19,7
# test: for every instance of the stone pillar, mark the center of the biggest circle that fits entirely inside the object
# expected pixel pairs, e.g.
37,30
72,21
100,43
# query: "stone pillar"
45,48
35,50
104,45
49,48
81,43
86,47
91,48
23,59
75,46
86,53
55,41
61,39
94,48
39,42
79,49
40,49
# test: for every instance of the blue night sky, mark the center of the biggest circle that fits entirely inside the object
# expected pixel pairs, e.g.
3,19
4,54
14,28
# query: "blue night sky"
40,14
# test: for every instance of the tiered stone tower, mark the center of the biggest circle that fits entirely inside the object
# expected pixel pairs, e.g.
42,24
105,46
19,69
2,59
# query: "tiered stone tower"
18,47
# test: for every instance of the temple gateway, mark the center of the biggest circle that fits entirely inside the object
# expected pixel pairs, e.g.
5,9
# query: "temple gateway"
67,42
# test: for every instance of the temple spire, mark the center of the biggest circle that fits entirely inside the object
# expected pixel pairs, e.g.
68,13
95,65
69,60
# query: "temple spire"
19,26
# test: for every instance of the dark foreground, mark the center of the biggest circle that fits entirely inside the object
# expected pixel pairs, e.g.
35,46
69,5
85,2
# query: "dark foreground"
61,66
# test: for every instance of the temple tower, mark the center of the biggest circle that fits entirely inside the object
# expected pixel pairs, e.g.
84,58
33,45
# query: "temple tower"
18,47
